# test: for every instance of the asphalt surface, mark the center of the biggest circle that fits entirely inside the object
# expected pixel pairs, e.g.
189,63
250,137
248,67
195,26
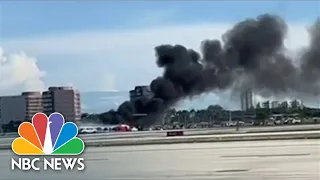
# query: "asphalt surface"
263,160
187,132
209,136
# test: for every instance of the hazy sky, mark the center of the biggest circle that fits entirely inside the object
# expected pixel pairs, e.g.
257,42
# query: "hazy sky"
98,45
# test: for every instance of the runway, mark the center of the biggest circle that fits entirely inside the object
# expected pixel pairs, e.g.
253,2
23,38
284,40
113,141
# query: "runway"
267,160
187,132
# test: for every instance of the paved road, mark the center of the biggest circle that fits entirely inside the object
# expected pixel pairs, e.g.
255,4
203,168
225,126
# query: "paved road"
267,160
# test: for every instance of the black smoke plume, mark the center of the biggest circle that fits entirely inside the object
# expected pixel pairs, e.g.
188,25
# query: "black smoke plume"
252,55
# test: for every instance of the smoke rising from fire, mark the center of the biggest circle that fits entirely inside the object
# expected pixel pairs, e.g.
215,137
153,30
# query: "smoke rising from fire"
251,54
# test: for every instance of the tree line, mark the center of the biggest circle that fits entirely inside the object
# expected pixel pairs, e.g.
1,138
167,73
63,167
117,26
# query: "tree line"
213,113
216,113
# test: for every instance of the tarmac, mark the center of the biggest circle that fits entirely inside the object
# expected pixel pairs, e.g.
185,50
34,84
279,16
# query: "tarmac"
252,160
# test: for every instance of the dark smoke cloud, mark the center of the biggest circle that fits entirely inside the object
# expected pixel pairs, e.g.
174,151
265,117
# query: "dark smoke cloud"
251,55
310,62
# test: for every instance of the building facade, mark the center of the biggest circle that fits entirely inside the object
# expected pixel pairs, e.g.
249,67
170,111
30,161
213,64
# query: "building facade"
295,104
12,108
33,102
20,107
246,99
64,100
266,104
275,104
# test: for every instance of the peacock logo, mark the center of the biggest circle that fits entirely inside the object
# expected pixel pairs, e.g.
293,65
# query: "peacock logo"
48,136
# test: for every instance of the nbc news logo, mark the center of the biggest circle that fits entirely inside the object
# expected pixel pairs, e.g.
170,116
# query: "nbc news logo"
48,137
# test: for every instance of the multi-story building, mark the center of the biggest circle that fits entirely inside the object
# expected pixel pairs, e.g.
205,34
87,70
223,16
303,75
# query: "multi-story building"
20,107
266,104
57,99
295,104
246,98
275,104
140,91
64,100
12,108
284,104
33,101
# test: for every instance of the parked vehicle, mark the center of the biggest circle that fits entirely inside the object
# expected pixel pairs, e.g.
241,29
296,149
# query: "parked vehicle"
278,122
134,129
85,130
121,128
296,121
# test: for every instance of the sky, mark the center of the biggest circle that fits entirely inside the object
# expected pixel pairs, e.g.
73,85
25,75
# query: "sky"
109,45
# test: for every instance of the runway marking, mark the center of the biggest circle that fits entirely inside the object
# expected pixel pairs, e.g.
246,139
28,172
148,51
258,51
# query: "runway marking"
96,159
266,155
86,159
232,170
188,149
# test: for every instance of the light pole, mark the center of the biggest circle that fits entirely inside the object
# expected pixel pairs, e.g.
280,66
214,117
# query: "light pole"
318,100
